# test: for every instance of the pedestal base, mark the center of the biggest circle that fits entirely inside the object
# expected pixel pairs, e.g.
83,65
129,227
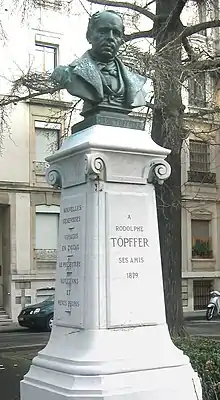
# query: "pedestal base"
167,383
138,364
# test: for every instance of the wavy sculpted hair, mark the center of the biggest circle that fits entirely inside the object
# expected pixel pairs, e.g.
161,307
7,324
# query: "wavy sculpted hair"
94,19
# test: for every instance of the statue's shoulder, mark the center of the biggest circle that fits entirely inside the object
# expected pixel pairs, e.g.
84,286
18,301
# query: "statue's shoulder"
81,61
60,74
63,73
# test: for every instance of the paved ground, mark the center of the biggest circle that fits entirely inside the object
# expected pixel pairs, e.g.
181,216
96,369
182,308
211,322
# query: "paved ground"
22,339
17,349
13,366
204,328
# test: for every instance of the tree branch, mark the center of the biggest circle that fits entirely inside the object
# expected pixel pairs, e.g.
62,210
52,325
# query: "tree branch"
204,65
138,35
122,4
150,105
14,99
29,86
188,49
150,2
188,31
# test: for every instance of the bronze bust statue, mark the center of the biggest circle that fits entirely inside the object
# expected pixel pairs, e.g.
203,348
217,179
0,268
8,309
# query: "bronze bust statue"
99,77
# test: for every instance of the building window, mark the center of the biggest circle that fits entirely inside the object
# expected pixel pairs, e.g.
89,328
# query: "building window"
46,230
201,293
47,225
26,300
201,241
199,156
23,285
45,294
197,90
47,142
18,300
46,57
199,153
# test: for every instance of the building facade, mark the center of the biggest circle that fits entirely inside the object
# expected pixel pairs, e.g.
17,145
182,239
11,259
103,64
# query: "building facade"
200,220
201,173
29,207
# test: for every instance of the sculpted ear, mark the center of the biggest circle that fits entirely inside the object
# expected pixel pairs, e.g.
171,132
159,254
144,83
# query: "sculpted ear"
122,39
88,35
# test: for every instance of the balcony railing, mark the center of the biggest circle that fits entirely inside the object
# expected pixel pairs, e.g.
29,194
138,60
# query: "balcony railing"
49,255
202,177
40,167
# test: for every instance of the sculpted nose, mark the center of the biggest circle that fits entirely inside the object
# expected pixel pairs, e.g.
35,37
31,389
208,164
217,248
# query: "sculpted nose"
110,34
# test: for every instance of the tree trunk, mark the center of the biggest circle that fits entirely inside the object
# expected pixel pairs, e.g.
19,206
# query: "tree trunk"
166,131
169,218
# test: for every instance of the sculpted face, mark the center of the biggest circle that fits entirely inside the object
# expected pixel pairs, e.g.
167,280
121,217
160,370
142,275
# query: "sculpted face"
106,36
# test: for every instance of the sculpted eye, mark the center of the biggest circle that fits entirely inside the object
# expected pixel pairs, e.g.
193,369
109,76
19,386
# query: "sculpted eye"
103,30
117,33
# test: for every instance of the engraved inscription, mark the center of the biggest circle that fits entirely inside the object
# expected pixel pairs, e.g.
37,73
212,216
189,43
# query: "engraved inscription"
134,242
121,123
129,241
129,245
70,270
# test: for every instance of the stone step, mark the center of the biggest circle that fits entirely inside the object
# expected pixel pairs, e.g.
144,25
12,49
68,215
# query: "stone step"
4,316
4,322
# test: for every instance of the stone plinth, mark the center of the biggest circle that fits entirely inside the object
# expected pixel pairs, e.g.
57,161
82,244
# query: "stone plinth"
110,338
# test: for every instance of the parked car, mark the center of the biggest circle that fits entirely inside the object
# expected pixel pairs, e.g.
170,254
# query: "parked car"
38,315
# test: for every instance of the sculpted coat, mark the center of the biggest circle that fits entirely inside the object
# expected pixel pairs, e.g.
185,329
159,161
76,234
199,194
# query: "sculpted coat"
83,78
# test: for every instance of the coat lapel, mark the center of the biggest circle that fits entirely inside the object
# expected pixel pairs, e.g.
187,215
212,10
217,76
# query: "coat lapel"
86,68
133,82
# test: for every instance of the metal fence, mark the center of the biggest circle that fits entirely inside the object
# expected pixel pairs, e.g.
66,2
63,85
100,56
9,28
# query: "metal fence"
201,293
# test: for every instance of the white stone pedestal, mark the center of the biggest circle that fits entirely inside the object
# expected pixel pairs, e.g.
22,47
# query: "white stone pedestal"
110,338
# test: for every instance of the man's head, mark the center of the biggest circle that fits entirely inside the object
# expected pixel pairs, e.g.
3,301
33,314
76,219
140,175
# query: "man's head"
105,34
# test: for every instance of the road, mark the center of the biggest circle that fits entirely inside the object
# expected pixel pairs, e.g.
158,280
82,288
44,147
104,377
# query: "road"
25,344
204,328
22,338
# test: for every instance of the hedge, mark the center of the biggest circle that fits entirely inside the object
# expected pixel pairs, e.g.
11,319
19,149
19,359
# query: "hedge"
204,355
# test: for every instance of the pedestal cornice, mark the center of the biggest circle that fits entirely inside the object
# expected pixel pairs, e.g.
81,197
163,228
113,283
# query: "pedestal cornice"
108,155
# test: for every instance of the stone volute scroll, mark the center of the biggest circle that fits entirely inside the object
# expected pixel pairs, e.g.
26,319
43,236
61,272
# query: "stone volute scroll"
54,177
94,166
159,171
